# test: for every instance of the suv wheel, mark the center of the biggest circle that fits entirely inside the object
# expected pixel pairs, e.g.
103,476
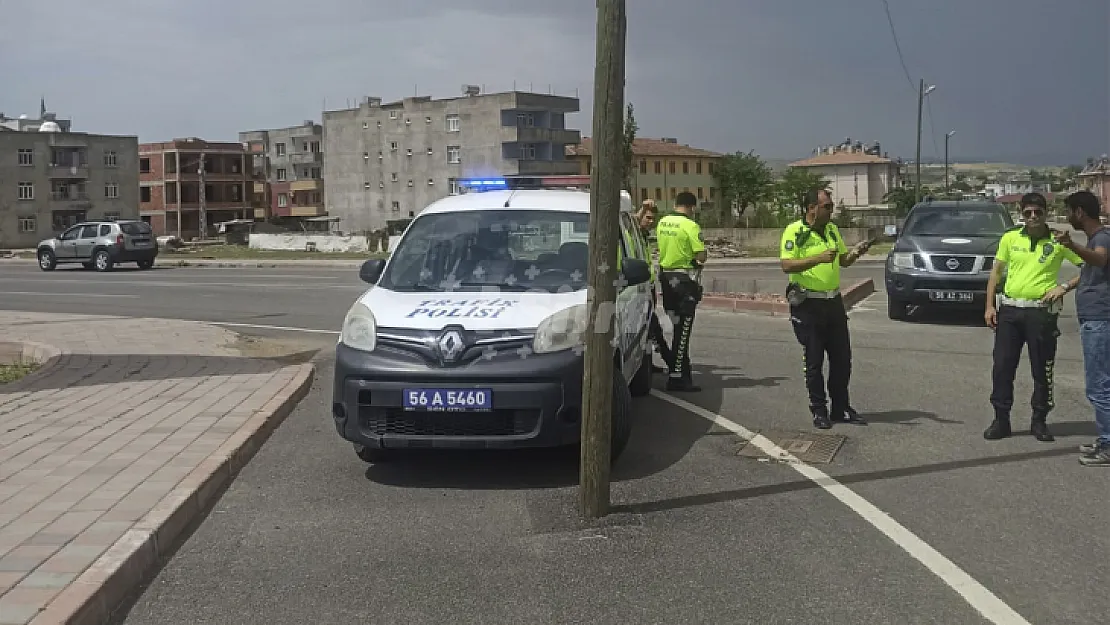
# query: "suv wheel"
47,260
897,309
102,260
145,264
622,414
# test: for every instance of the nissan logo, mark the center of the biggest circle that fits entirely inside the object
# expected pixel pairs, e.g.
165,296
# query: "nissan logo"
952,264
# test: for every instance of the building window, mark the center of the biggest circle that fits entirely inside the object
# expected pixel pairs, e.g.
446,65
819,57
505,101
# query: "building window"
643,166
144,194
279,149
111,191
701,193
110,159
408,152
431,182
711,168
281,175
643,194
658,167
392,146
393,177
671,167
428,120
658,193
314,147
316,173
366,156
283,200
525,120
393,114
26,157
410,183
111,217
430,152
365,125
144,165
674,192
28,224
697,167
26,191
453,154
366,185
395,206
685,167
528,152
452,123
453,186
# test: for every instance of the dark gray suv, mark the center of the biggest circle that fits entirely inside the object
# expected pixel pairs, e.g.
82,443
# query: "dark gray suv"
943,255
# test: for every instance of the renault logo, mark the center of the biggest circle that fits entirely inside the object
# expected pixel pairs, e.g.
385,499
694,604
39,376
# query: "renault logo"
952,264
450,345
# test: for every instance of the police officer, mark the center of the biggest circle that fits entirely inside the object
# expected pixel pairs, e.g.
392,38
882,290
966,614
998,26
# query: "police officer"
681,255
812,252
1026,313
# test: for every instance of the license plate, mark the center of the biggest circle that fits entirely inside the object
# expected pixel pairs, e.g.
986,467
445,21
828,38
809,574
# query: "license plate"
952,296
449,399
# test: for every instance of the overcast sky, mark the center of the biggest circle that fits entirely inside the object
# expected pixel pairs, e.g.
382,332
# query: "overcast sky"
1019,80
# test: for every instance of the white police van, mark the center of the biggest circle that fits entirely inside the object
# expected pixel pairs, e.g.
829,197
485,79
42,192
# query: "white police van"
471,336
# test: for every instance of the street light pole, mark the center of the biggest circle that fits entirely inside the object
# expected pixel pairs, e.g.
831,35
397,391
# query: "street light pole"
947,136
922,91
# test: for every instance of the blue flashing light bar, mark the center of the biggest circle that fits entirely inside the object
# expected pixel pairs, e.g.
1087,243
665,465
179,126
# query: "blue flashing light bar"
523,182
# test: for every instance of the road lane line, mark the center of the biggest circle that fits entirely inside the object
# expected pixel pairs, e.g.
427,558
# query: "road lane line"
69,294
257,326
977,596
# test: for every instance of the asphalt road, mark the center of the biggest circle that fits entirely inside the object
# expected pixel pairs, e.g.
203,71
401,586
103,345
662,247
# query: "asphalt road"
308,533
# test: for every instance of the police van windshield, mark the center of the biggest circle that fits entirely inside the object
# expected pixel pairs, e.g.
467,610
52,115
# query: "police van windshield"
492,250
962,221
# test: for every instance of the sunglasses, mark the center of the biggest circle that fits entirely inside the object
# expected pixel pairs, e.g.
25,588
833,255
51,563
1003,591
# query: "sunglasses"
1033,212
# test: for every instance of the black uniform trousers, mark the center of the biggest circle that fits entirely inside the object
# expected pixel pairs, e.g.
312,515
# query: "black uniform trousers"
1017,327
681,295
655,331
821,327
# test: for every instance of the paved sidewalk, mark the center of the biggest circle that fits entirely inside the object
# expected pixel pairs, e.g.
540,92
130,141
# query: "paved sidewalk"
111,449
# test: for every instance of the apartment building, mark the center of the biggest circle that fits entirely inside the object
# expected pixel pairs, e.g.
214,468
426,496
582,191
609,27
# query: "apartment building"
51,179
23,122
661,169
170,187
388,161
1095,177
287,165
859,175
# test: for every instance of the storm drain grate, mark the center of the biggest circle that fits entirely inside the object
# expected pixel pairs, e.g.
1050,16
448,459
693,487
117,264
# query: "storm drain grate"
809,447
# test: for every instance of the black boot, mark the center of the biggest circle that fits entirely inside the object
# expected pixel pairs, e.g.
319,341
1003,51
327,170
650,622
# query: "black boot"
1039,429
682,385
821,420
999,428
848,415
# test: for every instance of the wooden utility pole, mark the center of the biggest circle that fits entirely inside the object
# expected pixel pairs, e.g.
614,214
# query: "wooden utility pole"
605,188
202,214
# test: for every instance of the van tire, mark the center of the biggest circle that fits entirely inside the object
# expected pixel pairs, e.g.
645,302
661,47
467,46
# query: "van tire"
622,415
642,382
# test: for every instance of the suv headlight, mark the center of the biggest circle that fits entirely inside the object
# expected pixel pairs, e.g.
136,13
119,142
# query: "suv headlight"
360,330
902,261
563,330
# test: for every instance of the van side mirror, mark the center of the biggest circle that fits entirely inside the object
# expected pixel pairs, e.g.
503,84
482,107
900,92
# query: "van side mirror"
371,270
635,271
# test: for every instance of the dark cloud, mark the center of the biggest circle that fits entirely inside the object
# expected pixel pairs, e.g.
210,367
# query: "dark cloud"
1024,80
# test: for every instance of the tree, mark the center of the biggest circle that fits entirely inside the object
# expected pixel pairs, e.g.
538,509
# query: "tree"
744,180
627,154
790,190
901,200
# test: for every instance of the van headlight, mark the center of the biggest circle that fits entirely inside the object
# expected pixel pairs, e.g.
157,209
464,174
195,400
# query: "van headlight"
902,261
563,330
360,330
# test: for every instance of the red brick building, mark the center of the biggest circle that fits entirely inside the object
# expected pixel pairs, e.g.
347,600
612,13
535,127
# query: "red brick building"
170,185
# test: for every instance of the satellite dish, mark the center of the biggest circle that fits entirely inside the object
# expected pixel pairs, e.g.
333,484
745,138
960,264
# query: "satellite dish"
49,126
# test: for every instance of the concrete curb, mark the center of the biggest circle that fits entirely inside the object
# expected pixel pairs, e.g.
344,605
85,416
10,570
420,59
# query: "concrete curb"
49,359
97,593
852,295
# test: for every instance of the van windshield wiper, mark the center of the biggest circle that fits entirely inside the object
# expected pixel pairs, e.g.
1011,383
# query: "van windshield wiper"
515,286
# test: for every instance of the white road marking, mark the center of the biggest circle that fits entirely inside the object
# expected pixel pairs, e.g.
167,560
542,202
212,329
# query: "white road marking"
977,596
69,295
266,327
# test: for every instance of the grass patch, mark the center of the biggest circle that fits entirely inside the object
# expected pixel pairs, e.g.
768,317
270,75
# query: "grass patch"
11,372
242,252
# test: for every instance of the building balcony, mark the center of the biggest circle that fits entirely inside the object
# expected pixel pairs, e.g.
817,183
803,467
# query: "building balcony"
526,134
306,158
68,196
260,187
69,171
193,176
309,184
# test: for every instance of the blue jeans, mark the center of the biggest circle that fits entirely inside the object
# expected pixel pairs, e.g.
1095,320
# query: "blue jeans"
1095,336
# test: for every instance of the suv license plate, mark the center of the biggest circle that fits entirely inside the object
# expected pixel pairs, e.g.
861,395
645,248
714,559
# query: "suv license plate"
952,296
448,399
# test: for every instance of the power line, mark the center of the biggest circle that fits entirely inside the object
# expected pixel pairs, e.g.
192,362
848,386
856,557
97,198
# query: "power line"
898,46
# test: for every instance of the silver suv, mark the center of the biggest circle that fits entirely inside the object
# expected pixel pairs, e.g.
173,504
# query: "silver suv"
100,245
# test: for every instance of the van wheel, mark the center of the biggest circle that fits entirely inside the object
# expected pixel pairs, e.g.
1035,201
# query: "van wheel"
102,260
373,454
47,260
622,415
145,264
896,309
641,382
